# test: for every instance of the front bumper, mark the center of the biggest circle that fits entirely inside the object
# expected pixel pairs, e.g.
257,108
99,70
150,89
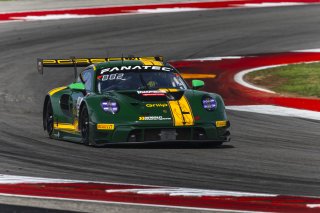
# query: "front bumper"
146,134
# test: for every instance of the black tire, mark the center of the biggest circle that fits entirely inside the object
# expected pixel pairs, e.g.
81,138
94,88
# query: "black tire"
48,119
84,125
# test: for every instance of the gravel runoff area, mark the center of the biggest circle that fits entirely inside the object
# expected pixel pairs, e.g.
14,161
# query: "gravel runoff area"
24,5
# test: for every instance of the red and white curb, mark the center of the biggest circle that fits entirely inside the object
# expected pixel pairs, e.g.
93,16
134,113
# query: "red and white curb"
242,96
158,196
146,9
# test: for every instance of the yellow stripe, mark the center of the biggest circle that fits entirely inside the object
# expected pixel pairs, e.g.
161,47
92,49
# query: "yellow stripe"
168,90
53,91
176,113
146,62
152,59
187,111
158,63
149,62
180,110
67,126
194,76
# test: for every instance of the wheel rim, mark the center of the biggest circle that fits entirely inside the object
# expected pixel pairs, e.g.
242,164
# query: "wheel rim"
85,124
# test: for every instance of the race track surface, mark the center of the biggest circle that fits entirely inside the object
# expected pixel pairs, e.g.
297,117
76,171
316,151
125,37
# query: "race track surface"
268,154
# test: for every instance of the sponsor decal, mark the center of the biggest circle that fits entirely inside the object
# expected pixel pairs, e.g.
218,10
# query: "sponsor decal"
105,126
156,105
152,93
153,118
111,77
221,123
77,61
136,68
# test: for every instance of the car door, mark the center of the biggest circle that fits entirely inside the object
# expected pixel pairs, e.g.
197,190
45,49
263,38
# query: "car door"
86,77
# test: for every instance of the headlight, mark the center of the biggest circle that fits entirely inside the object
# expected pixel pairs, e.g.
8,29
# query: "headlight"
209,103
110,106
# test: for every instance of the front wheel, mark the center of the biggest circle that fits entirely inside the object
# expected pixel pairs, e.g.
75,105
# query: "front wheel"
84,125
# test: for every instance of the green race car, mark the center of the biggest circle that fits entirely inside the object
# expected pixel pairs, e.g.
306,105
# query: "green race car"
131,100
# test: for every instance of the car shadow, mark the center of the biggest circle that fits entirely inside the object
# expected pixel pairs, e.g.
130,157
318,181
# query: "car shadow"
171,145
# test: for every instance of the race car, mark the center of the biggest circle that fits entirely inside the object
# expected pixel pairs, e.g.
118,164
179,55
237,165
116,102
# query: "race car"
131,100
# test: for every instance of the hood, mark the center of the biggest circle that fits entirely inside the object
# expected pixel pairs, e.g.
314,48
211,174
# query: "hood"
161,106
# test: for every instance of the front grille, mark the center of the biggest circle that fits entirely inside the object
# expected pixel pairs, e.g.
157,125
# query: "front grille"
167,134
152,135
155,134
184,134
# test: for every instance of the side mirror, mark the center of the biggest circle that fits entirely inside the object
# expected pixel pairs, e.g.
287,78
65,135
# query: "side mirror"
197,84
77,86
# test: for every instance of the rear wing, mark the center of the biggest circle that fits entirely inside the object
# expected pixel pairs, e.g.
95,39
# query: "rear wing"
84,62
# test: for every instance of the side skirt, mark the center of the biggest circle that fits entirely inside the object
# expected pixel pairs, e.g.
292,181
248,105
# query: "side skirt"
67,136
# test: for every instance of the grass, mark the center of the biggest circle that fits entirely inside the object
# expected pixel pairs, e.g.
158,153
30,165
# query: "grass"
293,80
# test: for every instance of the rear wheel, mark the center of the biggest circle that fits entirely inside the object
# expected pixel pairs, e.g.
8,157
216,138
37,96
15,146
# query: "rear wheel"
84,125
48,119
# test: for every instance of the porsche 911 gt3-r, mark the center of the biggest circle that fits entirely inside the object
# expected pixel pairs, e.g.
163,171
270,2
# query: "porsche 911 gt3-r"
131,100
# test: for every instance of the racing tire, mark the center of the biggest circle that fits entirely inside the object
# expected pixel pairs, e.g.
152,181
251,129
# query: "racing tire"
49,119
84,125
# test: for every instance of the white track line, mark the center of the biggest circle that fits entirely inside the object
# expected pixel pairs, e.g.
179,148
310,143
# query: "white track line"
313,205
168,10
188,192
240,75
52,17
277,110
275,4
13,179
308,50
214,58
239,78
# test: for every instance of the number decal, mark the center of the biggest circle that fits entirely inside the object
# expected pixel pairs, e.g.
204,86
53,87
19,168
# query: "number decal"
114,76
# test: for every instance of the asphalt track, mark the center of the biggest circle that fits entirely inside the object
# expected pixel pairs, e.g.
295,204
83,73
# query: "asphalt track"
268,154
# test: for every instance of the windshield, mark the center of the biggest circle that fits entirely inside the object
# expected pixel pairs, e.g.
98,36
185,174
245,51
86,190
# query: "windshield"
139,80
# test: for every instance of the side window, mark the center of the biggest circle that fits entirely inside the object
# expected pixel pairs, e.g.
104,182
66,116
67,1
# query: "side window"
87,77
